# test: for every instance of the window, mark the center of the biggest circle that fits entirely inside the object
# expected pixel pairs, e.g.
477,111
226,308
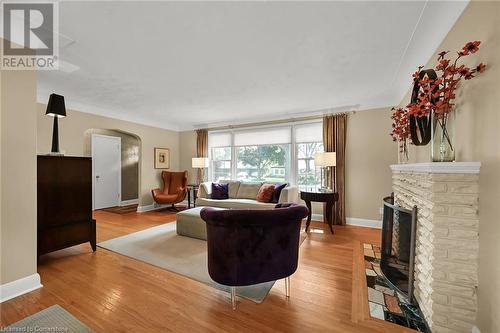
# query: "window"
267,154
220,163
308,138
220,156
308,176
266,163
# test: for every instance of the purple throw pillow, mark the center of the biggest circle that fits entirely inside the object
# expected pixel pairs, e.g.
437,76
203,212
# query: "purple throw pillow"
220,191
277,191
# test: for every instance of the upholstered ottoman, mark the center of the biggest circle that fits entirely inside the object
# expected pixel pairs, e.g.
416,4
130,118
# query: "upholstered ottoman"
190,224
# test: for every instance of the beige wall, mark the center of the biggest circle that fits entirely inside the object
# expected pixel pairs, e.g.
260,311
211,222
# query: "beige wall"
72,142
477,139
18,175
369,152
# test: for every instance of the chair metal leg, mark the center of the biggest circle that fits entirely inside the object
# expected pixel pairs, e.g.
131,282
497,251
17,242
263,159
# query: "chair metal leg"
233,297
287,286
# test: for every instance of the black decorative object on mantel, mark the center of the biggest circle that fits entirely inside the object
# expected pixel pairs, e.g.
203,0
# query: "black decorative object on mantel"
420,127
57,109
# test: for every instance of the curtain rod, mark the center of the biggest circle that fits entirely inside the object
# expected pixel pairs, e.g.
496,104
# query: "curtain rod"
276,122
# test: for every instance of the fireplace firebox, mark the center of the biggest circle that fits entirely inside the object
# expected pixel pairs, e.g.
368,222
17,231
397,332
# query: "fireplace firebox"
398,247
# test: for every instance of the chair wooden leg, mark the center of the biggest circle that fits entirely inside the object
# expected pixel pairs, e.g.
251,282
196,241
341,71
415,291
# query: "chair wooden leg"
233,297
287,286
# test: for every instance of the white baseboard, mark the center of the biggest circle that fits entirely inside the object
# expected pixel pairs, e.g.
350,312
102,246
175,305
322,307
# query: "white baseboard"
364,222
353,221
129,202
19,287
148,208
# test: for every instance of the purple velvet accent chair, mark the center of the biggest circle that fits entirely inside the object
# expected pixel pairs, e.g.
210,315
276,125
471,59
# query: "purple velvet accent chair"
247,247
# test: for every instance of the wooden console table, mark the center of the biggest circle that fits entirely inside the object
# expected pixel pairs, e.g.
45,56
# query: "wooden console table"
315,196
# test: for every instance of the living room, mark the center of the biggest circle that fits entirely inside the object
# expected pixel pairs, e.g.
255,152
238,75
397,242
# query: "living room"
266,124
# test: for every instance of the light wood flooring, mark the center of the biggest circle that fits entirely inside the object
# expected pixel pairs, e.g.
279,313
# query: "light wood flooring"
112,293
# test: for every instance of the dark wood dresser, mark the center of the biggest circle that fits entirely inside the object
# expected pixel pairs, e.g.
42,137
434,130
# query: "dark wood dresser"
64,189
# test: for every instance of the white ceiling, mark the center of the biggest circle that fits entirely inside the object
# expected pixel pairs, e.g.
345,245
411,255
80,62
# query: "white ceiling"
181,65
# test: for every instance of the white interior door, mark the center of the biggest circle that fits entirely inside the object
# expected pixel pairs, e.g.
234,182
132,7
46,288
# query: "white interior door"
106,170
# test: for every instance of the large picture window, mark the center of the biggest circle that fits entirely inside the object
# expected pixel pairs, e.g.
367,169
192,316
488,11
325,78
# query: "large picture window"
266,163
268,154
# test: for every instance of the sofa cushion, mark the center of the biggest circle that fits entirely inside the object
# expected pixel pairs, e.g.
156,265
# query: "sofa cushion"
234,185
277,192
248,190
265,193
220,191
234,203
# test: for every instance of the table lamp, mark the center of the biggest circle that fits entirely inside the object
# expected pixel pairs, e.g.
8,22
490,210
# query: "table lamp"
200,163
57,109
325,161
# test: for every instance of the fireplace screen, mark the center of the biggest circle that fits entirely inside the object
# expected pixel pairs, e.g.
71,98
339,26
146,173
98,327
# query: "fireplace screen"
398,246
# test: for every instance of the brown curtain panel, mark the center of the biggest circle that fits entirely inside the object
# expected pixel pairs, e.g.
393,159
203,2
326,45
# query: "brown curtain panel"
201,150
334,140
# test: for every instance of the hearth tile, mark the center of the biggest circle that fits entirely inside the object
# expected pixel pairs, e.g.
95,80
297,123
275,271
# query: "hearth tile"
392,304
369,253
385,290
367,246
376,310
370,272
375,296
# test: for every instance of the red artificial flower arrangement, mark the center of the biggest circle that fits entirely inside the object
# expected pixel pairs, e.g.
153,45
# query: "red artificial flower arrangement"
400,128
436,95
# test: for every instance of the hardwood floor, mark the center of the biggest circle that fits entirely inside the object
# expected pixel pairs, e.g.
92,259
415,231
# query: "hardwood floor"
113,293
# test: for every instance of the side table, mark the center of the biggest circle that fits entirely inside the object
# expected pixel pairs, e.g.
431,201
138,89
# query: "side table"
315,196
192,188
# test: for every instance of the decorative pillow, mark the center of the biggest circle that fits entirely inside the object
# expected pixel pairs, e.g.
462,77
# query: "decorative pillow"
277,192
265,193
220,191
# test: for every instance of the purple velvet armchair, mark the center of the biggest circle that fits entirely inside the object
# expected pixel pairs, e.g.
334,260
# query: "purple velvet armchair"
247,247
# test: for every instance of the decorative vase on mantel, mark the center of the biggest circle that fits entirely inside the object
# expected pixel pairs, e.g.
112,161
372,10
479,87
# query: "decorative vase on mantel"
403,156
443,137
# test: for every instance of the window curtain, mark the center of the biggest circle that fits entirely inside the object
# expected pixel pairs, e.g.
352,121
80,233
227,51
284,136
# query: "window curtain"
201,151
334,140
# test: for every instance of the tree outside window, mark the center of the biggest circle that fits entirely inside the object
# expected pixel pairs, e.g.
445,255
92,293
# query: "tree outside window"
263,163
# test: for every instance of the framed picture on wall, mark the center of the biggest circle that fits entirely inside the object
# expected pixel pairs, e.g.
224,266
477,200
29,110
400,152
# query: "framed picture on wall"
162,158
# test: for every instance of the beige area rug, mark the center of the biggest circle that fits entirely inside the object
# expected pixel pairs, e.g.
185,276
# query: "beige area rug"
162,247
52,319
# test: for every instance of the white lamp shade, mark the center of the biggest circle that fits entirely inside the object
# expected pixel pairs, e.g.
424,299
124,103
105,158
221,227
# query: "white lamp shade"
199,162
325,159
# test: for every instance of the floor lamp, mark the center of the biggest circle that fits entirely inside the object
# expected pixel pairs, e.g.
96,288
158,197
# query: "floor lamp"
325,161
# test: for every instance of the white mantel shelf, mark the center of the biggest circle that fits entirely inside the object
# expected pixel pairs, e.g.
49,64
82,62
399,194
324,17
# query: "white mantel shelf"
438,167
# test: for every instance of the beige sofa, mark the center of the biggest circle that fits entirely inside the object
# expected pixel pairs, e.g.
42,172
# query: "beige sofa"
242,195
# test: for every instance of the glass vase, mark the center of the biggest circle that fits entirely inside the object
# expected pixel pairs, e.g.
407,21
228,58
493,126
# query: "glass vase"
443,138
403,156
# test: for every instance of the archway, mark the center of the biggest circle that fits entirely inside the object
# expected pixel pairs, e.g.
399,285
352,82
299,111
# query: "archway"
130,161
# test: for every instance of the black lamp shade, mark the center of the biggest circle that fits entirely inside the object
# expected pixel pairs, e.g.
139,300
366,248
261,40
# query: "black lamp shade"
56,107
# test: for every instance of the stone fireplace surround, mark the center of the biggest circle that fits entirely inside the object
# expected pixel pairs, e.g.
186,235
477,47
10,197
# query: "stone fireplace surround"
447,240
